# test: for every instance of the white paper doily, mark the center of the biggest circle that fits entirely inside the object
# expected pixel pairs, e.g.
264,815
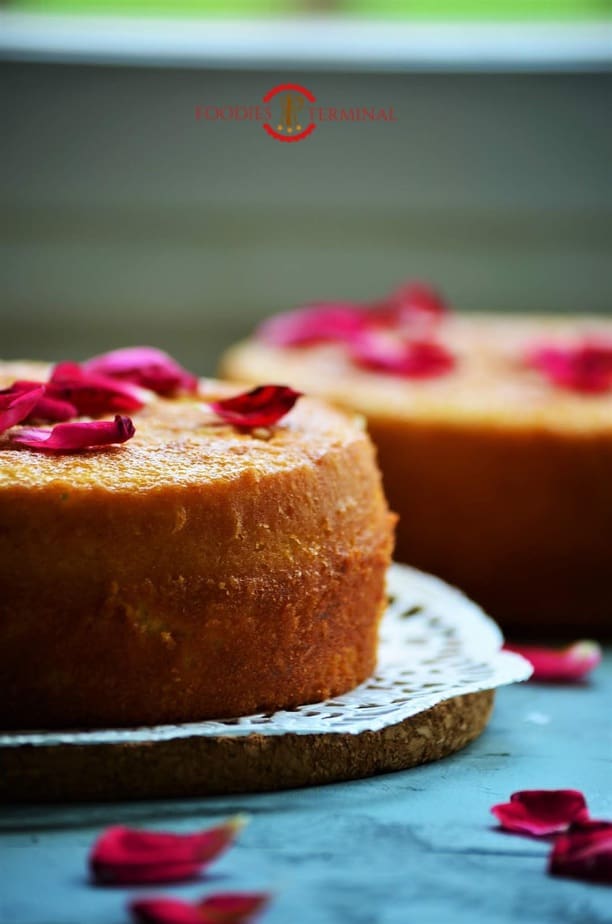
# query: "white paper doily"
434,644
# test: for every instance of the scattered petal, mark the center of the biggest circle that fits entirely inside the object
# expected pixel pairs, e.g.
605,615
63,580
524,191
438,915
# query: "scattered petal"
387,352
336,321
260,407
145,366
18,402
584,852
124,855
541,812
233,907
165,911
584,366
67,437
216,909
92,394
560,665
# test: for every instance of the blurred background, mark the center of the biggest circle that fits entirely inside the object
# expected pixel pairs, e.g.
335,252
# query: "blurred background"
124,219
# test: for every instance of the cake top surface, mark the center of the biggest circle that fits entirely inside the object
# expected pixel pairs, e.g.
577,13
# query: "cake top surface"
179,442
490,384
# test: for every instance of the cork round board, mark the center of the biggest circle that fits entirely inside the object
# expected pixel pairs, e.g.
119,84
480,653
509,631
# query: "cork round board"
440,661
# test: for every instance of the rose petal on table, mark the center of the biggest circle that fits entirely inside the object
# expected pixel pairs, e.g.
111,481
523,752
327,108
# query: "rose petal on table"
584,367
541,812
328,321
260,407
145,366
68,437
230,908
584,852
18,401
165,911
560,665
387,352
92,394
126,855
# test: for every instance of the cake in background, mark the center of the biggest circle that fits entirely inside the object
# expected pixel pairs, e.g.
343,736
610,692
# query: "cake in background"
494,435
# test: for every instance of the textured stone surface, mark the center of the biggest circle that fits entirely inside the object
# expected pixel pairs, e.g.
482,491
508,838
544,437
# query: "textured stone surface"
417,846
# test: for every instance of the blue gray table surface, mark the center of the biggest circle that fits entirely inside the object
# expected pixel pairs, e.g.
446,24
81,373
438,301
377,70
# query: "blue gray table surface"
417,846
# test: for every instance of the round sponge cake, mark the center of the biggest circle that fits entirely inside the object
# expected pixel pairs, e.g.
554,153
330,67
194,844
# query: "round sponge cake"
198,571
501,480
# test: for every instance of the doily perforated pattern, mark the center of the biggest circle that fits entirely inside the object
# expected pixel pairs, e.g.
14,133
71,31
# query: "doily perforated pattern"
434,644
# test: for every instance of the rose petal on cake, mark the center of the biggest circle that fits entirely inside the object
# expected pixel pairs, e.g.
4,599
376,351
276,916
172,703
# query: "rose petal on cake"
125,855
584,367
414,306
328,321
145,366
46,408
384,351
230,908
564,665
18,401
92,394
260,407
584,852
68,437
541,812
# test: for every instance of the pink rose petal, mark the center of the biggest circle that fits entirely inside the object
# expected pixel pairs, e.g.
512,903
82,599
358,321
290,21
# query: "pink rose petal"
124,855
46,408
217,909
145,366
18,402
387,352
584,852
260,407
414,307
541,812
560,665
92,394
334,321
585,366
67,437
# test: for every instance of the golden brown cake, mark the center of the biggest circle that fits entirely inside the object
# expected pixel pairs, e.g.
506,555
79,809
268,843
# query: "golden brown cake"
198,571
501,478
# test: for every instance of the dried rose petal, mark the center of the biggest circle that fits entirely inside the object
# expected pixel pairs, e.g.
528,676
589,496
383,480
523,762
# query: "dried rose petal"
233,908
387,352
414,306
124,855
584,366
560,665
541,812
337,321
584,852
260,407
46,408
145,366
17,402
92,394
217,909
67,437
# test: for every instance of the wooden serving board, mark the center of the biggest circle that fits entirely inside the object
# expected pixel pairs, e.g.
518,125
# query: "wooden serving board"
204,765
